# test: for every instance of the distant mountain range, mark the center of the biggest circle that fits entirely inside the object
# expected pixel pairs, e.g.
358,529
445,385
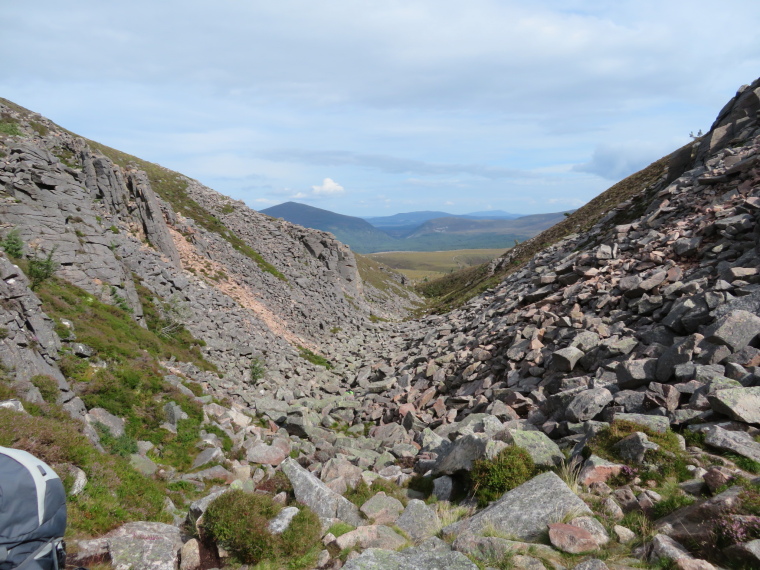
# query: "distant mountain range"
419,231
402,225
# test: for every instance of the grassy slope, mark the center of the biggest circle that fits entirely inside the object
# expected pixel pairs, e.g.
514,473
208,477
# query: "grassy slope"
131,386
454,290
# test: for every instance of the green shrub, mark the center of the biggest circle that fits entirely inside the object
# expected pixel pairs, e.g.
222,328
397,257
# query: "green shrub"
749,499
40,269
239,522
121,445
491,478
39,128
257,369
671,504
278,483
9,126
12,244
307,354
47,386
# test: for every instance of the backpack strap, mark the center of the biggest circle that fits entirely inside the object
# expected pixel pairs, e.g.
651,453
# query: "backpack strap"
30,562
3,554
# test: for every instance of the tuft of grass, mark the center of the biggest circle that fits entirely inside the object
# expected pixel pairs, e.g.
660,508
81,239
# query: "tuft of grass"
671,504
363,492
449,513
340,528
491,478
239,521
314,358
570,472
640,524
745,463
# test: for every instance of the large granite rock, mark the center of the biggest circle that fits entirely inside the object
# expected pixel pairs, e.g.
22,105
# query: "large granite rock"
138,545
588,404
742,404
737,442
541,449
735,329
418,521
319,497
524,512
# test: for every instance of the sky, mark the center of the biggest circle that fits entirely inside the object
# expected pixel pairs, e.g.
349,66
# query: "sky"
370,108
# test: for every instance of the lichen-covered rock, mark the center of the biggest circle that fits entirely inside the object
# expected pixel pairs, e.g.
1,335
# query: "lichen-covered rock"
741,404
523,512
419,521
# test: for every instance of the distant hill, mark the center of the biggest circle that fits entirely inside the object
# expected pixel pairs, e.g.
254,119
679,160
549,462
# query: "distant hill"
491,215
405,219
429,234
359,234
403,225
525,225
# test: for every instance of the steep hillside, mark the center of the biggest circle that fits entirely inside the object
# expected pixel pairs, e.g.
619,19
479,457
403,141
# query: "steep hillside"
596,408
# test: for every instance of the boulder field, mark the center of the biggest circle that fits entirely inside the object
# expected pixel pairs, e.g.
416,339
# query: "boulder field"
623,357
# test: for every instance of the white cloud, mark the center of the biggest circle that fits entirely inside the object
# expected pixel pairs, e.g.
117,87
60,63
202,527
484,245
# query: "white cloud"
328,188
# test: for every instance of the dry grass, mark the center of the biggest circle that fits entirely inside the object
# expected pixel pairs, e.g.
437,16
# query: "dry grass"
449,513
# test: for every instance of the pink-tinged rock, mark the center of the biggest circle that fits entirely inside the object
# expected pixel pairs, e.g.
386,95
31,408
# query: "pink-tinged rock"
404,409
426,398
439,407
269,454
596,470
571,539
717,477
382,509
373,536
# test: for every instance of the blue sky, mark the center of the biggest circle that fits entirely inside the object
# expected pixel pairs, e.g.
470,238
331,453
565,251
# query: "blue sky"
376,107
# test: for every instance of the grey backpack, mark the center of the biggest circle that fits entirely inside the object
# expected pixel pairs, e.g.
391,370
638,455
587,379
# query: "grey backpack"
32,513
